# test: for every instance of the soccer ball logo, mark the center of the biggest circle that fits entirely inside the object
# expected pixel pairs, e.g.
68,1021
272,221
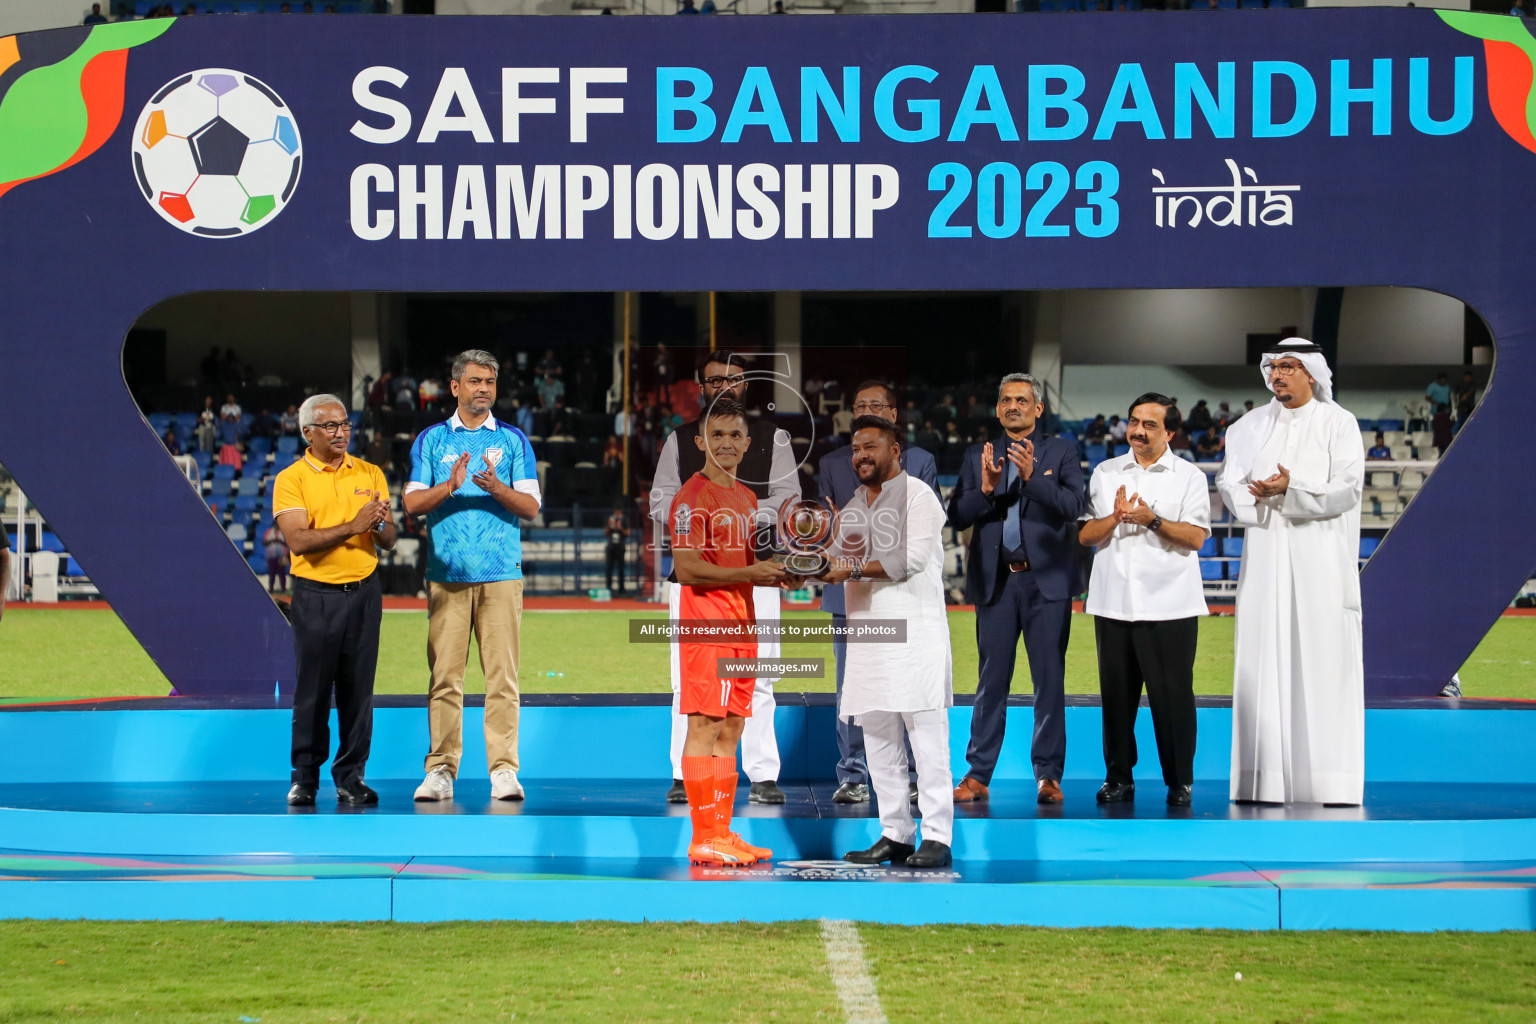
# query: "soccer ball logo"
216,153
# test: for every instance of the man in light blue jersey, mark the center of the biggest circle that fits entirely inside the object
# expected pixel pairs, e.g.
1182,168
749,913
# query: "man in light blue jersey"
473,477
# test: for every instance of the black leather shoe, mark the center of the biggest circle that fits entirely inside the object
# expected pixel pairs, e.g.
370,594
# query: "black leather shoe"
302,794
932,854
851,793
1116,792
765,792
677,794
883,850
1178,796
357,794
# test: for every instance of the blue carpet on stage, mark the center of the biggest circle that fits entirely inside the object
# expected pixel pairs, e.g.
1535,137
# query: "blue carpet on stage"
108,813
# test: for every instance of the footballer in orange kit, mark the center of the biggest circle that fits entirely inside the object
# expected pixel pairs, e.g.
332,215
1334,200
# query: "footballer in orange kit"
712,552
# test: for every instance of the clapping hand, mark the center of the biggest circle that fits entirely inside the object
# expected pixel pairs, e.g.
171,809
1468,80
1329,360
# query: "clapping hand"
486,479
459,473
1272,487
1022,455
991,469
1140,514
1124,505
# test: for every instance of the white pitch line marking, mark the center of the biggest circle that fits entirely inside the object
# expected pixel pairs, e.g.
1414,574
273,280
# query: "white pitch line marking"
850,973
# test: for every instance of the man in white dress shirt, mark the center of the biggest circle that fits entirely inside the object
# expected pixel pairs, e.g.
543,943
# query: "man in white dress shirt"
1149,513
891,558
1293,477
768,468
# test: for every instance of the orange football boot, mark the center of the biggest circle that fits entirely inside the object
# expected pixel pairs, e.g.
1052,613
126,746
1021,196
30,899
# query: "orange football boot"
718,852
757,853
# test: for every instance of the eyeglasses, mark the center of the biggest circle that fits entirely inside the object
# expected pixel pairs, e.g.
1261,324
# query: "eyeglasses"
871,407
1288,369
720,382
339,427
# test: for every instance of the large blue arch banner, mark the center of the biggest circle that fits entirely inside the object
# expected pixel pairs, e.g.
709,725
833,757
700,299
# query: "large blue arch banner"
1237,149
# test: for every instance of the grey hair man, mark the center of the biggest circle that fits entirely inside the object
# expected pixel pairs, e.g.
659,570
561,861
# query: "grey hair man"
333,511
1020,496
474,478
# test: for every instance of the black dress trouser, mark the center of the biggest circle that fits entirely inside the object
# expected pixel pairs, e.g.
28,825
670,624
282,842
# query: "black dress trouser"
1161,655
336,644
613,565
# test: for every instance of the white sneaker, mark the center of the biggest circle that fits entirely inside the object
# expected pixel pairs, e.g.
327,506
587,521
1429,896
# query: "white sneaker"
438,785
504,785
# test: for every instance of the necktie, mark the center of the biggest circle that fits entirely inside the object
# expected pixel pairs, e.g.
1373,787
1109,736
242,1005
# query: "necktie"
1013,535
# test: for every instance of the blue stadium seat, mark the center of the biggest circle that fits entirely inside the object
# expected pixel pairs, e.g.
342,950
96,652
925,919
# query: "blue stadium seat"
217,503
258,563
1368,546
1386,426
287,445
250,483
1210,570
949,480
186,421
236,532
72,567
160,421
223,473
280,462
1232,547
1234,570
51,542
1208,549
203,460
1095,451
241,518
261,446
246,502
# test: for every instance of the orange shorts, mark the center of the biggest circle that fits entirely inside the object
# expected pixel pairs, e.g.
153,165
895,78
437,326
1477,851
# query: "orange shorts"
703,692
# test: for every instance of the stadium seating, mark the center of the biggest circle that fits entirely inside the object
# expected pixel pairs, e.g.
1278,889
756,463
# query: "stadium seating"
1368,546
50,542
287,445
1210,570
1232,547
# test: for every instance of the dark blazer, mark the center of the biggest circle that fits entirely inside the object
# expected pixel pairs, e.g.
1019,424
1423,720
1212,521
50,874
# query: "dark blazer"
838,481
1053,499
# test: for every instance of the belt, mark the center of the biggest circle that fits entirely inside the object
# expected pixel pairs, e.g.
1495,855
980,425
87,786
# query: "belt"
345,588
1018,567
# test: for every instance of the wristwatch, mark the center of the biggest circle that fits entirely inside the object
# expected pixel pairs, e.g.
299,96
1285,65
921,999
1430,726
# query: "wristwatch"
1156,524
857,572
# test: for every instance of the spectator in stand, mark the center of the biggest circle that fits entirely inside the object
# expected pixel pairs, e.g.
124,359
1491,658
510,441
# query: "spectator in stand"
951,433
976,407
522,415
842,422
1178,440
663,368
275,547
405,392
230,436
1439,392
1116,429
778,7
929,440
380,394
429,393
1097,430
622,421
617,533
550,364
172,445
379,449
1517,11
288,425
1199,417
97,18
687,8
586,382
613,453
230,408
1247,408
551,388
1210,446
1440,425
560,420
945,409
124,13
263,425
207,426
650,430
1379,451
1466,398
1224,417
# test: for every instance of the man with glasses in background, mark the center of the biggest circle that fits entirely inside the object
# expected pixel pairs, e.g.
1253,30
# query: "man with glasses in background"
838,481
473,477
768,469
333,510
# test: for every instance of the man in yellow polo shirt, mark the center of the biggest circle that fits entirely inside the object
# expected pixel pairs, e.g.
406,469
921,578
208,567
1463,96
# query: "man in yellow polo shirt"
333,509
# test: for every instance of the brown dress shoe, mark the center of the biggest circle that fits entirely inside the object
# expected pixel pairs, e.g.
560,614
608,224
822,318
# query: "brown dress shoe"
969,791
1049,792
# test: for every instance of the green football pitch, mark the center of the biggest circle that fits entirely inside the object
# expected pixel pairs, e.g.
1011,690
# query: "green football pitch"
59,653
177,972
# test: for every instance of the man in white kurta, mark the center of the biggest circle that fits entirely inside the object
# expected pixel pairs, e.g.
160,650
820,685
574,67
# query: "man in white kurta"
892,559
1292,477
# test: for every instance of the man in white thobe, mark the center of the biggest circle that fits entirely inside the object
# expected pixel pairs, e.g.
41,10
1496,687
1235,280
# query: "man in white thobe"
891,556
1292,477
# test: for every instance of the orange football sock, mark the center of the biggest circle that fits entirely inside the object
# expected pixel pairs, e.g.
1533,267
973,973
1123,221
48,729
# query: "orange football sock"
725,793
699,782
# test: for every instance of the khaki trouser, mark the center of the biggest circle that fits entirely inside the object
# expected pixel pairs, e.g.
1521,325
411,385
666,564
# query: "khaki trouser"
494,611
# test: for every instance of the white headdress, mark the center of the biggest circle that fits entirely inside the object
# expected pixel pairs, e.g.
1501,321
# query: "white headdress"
1309,356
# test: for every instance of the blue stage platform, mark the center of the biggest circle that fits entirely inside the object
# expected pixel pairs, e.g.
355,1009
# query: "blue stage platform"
114,813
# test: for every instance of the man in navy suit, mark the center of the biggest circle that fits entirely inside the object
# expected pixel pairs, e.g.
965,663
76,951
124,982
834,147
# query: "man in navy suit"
838,482
1021,496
